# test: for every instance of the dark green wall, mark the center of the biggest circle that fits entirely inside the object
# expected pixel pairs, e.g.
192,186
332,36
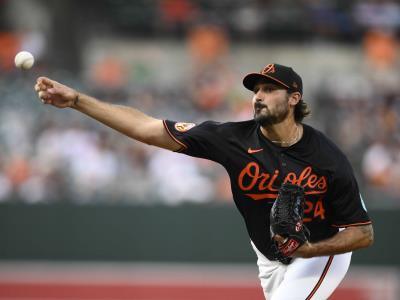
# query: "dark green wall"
188,233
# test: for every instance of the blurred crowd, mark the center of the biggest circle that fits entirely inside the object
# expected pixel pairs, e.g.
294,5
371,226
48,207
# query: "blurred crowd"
51,155
365,124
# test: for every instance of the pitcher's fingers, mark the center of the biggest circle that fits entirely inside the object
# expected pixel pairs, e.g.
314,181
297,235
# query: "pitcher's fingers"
54,91
46,81
280,239
40,87
43,95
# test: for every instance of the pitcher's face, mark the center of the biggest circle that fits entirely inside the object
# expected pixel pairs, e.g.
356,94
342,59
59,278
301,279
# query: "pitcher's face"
270,103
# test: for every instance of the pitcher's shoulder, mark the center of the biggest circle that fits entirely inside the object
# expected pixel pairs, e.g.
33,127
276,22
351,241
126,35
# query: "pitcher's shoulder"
241,128
326,146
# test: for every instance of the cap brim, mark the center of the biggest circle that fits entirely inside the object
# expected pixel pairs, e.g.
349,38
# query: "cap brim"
250,80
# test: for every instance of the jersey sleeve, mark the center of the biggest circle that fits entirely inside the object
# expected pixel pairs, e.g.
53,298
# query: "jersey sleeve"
346,201
204,140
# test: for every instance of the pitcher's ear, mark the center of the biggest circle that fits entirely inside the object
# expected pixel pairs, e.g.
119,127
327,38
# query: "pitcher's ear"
294,98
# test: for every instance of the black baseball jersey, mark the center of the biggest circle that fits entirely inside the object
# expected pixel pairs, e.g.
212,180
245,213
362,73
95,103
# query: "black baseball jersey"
257,168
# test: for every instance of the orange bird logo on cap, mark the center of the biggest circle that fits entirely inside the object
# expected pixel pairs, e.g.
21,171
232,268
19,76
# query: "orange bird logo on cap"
269,69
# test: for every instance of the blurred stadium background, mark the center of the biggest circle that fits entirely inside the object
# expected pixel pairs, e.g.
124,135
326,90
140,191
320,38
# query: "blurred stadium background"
88,214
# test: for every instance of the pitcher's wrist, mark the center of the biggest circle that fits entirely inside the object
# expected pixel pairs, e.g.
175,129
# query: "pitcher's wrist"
76,100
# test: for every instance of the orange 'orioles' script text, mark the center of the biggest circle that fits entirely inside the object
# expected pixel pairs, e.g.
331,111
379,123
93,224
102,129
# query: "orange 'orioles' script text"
251,178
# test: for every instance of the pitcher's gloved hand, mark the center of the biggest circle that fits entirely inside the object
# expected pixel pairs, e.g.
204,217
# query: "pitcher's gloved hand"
286,220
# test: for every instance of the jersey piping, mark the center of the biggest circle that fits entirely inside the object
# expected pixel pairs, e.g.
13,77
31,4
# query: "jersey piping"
174,138
352,224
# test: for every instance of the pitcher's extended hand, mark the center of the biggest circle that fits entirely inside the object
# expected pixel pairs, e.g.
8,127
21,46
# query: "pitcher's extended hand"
55,93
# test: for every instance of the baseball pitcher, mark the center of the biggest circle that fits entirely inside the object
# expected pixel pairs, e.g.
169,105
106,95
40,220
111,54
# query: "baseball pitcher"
294,188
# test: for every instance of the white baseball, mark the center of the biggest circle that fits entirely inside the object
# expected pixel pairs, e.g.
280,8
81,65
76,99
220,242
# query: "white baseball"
24,60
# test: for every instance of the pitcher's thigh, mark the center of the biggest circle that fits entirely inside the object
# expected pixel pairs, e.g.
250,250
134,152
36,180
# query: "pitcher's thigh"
313,278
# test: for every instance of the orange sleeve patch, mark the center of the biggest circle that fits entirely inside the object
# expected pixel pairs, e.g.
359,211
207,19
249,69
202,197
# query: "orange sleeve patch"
183,127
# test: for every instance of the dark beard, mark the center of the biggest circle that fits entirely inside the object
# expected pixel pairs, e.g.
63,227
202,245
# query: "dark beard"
269,119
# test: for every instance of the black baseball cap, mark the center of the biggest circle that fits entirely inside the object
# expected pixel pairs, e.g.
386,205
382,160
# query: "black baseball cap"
278,74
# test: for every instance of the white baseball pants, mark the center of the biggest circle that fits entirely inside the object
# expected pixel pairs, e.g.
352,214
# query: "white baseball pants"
304,279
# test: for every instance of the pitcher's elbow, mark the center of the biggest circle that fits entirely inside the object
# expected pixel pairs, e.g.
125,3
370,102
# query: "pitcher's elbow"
369,239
